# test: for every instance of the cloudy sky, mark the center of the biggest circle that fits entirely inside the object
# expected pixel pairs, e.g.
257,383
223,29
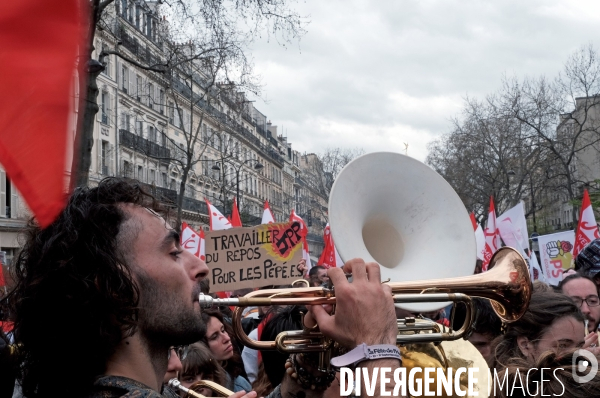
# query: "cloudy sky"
377,74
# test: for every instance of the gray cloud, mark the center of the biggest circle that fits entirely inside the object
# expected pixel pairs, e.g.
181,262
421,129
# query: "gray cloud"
376,74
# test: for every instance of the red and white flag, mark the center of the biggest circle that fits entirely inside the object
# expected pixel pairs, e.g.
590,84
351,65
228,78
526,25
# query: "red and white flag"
587,229
236,221
267,217
492,236
305,251
479,237
217,220
190,239
330,257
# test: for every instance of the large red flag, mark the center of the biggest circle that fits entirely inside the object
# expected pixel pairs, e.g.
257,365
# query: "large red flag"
587,229
40,41
236,221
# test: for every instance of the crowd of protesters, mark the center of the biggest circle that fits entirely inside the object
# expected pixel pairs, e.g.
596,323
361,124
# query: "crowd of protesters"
105,305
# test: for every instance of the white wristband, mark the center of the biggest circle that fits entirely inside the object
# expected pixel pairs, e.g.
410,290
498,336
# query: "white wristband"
364,352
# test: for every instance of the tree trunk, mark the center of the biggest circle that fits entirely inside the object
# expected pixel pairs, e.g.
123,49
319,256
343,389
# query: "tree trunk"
82,157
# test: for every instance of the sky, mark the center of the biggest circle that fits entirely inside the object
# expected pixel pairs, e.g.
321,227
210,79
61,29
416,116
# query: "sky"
380,74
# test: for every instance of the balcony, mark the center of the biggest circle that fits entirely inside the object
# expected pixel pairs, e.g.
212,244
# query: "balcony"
142,145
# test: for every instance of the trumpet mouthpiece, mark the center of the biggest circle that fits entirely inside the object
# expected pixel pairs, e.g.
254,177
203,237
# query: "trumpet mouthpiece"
205,300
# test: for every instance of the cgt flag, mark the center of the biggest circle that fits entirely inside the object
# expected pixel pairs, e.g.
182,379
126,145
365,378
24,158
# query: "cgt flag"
192,241
492,236
587,229
217,220
305,251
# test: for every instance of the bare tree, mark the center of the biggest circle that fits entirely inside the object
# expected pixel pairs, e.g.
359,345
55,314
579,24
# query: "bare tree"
211,26
562,116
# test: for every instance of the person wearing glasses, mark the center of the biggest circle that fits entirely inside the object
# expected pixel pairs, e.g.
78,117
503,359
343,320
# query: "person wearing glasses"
584,292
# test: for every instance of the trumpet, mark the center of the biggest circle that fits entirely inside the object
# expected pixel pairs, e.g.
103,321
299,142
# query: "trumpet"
506,284
190,393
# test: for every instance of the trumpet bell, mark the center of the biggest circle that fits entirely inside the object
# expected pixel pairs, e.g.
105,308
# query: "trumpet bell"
394,210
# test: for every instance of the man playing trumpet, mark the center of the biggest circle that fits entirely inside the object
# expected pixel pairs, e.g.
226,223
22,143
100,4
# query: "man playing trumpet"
104,292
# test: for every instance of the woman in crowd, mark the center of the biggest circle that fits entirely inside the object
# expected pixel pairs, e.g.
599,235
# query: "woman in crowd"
552,322
199,365
218,339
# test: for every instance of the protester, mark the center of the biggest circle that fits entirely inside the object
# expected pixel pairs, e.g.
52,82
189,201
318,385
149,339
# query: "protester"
199,365
107,285
175,356
587,261
552,322
584,292
224,350
317,276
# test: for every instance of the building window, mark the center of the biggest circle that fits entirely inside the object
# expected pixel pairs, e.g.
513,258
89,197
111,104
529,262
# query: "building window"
124,78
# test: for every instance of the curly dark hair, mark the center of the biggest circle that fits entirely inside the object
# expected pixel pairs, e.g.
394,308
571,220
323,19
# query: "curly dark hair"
74,298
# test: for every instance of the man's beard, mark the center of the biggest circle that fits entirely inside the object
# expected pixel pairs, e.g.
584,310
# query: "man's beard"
165,317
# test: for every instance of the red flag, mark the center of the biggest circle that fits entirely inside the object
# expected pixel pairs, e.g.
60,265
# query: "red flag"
39,45
304,232
587,229
236,221
492,236
2,280
330,257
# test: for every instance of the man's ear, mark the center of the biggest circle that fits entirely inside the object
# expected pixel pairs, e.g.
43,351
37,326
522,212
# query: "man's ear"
525,346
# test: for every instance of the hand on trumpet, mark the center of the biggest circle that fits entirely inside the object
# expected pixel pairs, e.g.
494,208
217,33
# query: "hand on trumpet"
364,311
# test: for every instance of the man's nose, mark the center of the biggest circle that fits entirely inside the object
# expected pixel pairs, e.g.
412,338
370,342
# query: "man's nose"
197,269
585,308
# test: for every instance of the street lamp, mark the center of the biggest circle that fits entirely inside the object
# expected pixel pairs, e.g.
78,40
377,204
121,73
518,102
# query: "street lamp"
257,166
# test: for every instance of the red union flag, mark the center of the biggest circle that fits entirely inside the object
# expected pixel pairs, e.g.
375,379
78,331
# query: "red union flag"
190,240
587,229
492,236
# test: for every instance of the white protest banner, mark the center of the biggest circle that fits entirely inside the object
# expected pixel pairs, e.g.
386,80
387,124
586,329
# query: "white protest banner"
556,254
267,254
513,226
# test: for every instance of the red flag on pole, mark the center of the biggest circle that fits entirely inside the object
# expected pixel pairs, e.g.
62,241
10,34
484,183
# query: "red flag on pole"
587,229
39,45
305,251
330,257
236,221
492,236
